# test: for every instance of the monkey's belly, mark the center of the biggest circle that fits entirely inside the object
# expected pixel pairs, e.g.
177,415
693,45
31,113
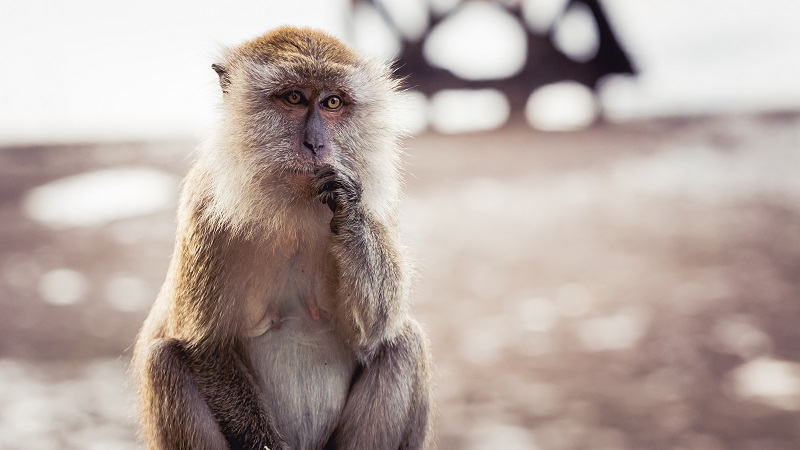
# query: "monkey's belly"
305,369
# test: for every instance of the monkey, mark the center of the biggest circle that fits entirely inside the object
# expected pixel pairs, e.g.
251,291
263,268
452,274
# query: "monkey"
283,321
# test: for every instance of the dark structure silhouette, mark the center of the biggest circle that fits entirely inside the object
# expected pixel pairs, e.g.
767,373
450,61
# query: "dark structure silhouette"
544,63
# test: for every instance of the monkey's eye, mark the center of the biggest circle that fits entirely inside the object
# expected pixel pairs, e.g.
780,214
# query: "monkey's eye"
294,97
332,102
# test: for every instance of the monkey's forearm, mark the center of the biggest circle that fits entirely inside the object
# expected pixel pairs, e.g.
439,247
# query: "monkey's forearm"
373,281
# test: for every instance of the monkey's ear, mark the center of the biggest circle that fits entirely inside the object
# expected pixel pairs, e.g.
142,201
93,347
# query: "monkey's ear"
224,80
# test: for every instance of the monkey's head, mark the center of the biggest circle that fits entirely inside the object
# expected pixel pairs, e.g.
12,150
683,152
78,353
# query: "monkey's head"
294,99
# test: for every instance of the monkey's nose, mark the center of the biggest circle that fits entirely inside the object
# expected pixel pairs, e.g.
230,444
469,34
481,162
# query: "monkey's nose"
315,148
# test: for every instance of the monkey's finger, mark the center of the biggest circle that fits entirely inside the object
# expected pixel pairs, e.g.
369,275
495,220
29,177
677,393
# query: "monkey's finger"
324,196
327,198
327,186
332,205
324,171
331,185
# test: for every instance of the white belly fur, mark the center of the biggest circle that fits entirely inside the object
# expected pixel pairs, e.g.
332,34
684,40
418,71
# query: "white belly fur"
305,370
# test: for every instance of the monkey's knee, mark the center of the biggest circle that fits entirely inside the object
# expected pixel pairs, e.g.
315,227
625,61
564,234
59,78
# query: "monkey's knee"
174,414
399,377
409,352
167,381
418,430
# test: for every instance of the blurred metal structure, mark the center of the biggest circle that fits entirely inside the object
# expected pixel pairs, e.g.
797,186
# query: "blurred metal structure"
544,63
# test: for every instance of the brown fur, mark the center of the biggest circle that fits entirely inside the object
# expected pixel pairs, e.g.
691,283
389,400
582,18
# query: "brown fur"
285,44
283,321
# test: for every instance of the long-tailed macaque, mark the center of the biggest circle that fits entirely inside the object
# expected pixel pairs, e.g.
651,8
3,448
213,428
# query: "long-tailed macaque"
283,321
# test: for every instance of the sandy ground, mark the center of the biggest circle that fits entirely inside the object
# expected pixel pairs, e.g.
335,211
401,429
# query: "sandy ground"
623,287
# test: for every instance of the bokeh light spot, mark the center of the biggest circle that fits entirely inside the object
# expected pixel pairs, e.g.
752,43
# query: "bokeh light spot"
479,41
577,35
127,293
617,332
458,111
371,34
770,381
62,286
96,198
496,435
561,106
538,314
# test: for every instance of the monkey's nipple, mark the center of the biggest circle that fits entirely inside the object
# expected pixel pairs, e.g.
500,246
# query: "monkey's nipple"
313,309
276,321
270,321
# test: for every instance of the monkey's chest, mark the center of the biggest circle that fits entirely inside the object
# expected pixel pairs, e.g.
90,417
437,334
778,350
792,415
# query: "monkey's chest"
304,366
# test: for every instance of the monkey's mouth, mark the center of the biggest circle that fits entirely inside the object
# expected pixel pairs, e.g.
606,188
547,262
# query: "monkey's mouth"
306,163
298,163
301,163
302,168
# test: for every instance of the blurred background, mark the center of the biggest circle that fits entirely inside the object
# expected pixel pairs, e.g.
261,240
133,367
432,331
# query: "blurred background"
603,198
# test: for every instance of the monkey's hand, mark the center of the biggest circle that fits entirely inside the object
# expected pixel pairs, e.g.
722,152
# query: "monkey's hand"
340,190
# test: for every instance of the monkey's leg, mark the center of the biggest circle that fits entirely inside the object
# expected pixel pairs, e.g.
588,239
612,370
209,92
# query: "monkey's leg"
389,405
176,415
205,401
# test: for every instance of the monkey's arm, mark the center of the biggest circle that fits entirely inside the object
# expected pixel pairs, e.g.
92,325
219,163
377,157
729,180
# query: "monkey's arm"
389,405
197,384
198,402
372,282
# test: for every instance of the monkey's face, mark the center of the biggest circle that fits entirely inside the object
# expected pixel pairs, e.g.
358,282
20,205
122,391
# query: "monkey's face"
308,116
297,99
288,127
